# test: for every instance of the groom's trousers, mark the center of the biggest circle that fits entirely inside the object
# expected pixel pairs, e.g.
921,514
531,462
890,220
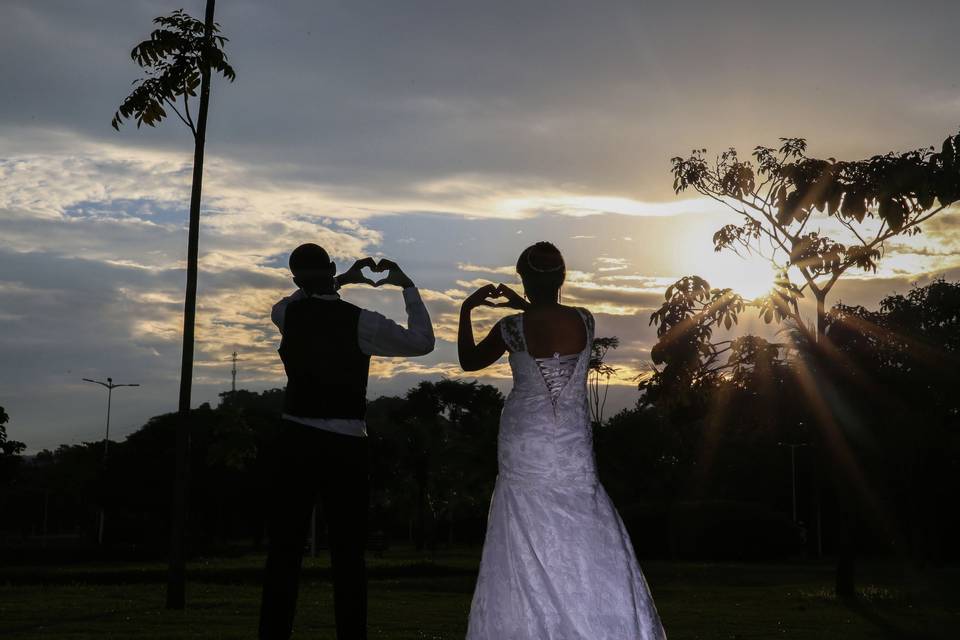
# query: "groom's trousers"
307,463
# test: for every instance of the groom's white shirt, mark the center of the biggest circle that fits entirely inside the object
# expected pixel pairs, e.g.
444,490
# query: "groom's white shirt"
377,335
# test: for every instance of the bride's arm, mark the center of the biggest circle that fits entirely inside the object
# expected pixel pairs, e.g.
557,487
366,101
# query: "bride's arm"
474,357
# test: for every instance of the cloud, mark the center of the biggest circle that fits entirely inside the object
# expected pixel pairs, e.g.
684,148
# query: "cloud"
586,205
352,125
611,264
370,102
504,270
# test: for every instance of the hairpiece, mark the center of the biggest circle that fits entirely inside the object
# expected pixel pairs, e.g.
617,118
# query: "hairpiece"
559,267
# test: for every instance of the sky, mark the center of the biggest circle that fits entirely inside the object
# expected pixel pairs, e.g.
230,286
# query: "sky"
444,135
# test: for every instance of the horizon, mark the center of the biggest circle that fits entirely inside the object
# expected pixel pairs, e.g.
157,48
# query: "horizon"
353,126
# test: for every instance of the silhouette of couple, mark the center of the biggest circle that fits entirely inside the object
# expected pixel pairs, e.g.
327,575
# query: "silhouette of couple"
557,562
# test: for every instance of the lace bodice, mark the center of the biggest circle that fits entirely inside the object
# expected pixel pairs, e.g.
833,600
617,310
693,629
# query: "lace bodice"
555,372
546,411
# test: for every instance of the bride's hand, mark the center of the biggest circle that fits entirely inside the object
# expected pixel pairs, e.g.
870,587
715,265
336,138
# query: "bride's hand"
514,301
480,297
487,294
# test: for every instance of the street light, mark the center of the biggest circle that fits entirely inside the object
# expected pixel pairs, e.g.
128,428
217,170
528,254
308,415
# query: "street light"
793,471
110,386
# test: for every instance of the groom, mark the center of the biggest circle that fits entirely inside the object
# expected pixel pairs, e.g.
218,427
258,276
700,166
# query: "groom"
322,446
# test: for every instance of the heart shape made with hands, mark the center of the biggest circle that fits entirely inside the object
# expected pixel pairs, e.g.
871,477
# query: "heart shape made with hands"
376,266
499,292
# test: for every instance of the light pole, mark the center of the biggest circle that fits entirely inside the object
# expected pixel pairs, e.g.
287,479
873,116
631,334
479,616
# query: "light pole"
793,471
110,386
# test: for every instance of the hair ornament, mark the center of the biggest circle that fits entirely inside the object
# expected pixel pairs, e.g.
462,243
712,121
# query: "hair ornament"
559,267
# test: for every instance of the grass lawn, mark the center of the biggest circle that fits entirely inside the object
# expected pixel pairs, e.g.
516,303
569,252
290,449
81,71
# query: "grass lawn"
428,597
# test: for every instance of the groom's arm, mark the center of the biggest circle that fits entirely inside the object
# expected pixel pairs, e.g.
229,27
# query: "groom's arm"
280,309
381,336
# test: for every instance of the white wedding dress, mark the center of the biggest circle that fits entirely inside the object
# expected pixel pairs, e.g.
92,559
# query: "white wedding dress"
557,562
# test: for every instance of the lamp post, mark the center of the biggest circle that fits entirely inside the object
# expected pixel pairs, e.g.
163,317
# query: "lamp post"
793,471
110,386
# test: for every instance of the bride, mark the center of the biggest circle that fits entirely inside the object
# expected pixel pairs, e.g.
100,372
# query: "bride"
557,563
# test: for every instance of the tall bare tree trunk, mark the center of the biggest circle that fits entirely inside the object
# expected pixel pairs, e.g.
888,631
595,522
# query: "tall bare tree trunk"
821,317
846,502
176,573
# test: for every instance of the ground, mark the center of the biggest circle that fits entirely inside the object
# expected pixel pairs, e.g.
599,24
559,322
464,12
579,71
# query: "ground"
427,596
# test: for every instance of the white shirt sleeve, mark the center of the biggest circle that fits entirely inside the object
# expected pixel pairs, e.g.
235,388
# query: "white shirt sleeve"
378,335
280,309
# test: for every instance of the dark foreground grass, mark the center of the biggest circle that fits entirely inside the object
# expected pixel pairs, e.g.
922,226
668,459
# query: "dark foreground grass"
415,597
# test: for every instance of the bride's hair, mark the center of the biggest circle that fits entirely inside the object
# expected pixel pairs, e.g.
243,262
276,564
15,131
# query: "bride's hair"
542,269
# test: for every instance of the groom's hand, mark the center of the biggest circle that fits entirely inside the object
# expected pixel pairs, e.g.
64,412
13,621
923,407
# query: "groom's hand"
354,275
395,274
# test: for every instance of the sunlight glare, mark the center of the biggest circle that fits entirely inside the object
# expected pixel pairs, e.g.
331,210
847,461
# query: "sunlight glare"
750,275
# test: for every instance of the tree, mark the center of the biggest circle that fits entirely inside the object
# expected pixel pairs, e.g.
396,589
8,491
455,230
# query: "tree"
783,192
178,58
445,450
468,466
599,369
779,196
690,365
890,375
910,349
722,400
686,358
10,450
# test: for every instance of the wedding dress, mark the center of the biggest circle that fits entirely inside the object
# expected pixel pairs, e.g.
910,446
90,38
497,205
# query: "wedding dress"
557,562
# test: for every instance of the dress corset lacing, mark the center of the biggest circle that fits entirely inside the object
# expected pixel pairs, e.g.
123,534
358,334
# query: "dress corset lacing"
556,371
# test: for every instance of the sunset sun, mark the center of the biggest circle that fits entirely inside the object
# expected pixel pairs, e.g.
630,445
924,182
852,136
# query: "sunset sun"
750,275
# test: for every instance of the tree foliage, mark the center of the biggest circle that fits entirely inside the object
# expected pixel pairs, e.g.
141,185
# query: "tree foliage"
687,358
781,191
876,402
10,450
8,447
437,449
901,364
173,58
600,370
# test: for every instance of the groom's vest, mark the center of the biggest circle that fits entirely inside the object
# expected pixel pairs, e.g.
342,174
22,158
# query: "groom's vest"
326,370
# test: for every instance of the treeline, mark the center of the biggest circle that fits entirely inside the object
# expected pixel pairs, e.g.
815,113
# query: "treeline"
432,467
741,449
869,410
433,464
